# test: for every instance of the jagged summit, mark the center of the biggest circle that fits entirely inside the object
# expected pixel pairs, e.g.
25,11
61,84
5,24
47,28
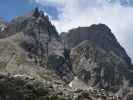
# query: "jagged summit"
35,21
99,26
100,35
36,13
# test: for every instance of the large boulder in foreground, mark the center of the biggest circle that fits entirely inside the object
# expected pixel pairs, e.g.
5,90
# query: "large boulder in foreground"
23,87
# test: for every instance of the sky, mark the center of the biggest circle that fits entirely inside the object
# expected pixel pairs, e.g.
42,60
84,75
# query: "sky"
12,8
68,14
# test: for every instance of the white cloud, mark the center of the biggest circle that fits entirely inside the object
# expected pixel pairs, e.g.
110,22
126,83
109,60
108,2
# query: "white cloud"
52,2
86,12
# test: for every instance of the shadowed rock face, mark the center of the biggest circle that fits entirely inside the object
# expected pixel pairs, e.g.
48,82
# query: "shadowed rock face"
38,34
99,68
98,59
100,35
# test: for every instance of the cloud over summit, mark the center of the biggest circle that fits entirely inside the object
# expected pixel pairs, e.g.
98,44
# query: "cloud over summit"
117,14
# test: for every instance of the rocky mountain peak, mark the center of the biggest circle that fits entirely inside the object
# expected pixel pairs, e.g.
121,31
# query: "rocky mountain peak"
34,21
101,27
100,35
36,13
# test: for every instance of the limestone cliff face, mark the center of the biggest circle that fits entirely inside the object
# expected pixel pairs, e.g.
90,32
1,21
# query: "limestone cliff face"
99,68
38,41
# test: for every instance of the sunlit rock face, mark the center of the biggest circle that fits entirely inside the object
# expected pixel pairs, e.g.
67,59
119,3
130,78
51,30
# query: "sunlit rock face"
3,27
